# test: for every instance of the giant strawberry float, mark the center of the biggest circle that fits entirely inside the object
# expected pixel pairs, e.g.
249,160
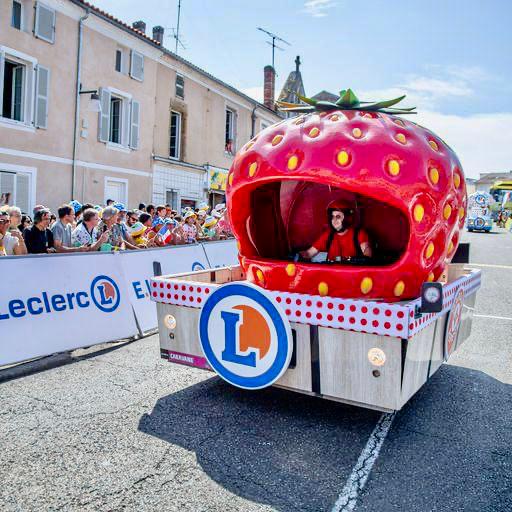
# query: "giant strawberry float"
404,185
345,215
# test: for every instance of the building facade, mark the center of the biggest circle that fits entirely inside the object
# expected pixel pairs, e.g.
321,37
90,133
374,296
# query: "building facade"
166,131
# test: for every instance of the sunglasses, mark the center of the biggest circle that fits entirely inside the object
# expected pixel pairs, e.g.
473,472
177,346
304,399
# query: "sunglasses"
5,221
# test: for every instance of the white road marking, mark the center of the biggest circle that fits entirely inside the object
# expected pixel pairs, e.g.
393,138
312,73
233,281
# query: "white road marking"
356,481
488,266
495,317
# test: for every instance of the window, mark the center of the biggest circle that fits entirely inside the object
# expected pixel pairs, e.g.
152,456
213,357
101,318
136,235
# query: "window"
116,110
119,119
16,14
119,61
175,135
44,25
230,132
16,188
23,85
180,86
116,189
137,66
171,198
14,85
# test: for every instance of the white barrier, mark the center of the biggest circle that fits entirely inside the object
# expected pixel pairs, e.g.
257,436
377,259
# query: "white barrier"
59,303
51,304
221,254
138,268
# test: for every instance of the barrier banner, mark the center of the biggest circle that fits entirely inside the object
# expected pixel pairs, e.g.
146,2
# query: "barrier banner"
57,303
222,253
137,268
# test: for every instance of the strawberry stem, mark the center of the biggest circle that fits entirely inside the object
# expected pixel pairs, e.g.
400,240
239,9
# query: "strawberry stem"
346,101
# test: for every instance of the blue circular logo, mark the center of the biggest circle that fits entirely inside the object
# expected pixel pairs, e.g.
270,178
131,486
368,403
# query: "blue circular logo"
245,336
197,266
105,294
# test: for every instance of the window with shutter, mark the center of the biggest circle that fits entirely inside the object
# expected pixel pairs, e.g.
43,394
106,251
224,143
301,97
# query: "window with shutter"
175,135
44,24
7,188
137,66
134,124
17,12
104,115
23,192
42,90
180,87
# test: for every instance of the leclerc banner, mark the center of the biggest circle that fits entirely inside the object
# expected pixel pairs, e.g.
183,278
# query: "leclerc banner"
221,254
138,269
57,303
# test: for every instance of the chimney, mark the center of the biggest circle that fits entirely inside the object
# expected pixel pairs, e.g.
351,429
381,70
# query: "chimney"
269,82
139,25
158,34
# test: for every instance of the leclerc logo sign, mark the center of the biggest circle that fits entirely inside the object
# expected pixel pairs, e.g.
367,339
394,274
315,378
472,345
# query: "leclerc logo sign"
103,293
245,336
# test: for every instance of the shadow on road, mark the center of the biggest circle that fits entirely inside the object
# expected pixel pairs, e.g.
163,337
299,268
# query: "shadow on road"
295,452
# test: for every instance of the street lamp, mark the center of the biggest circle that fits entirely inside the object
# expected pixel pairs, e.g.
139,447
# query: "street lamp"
94,104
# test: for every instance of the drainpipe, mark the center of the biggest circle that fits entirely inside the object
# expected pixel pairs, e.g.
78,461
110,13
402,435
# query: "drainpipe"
77,100
253,121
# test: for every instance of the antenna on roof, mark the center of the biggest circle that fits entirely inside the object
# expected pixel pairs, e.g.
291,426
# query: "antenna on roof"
273,43
176,32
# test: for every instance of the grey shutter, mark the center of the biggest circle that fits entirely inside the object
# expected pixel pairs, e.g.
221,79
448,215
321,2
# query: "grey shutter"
104,115
42,92
135,124
7,188
44,24
2,67
23,191
137,65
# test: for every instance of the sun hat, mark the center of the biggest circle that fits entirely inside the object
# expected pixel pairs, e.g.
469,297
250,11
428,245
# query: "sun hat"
189,214
203,206
120,206
76,205
137,229
210,221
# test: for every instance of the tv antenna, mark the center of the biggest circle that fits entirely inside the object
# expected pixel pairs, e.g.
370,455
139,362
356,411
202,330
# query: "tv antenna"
273,43
176,32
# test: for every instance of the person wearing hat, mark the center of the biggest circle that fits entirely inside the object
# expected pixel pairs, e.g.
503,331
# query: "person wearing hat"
209,224
341,241
189,227
118,237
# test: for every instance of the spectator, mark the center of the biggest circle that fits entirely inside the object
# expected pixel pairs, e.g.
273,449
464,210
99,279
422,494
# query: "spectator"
117,237
109,202
132,217
145,220
161,211
37,208
38,238
178,235
11,239
150,209
77,208
62,230
189,227
26,222
142,207
15,216
85,236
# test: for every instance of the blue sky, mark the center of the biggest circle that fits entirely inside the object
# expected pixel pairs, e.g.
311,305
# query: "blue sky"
453,58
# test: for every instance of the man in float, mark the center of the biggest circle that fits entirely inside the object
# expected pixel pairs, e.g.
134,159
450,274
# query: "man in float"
342,241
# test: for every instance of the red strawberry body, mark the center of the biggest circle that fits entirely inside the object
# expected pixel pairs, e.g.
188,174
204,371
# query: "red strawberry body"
405,181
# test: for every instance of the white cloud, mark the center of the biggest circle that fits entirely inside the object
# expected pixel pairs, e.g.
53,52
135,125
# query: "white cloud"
483,142
318,8
254,92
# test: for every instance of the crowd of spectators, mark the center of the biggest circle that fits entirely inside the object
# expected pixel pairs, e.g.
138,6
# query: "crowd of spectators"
86,227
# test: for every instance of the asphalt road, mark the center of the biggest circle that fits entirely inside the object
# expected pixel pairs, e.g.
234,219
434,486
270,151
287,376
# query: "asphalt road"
120,429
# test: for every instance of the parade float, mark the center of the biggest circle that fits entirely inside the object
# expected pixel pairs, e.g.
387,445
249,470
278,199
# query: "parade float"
347,219
479,216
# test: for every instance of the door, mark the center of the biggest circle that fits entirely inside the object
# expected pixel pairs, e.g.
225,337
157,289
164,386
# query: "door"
116,190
